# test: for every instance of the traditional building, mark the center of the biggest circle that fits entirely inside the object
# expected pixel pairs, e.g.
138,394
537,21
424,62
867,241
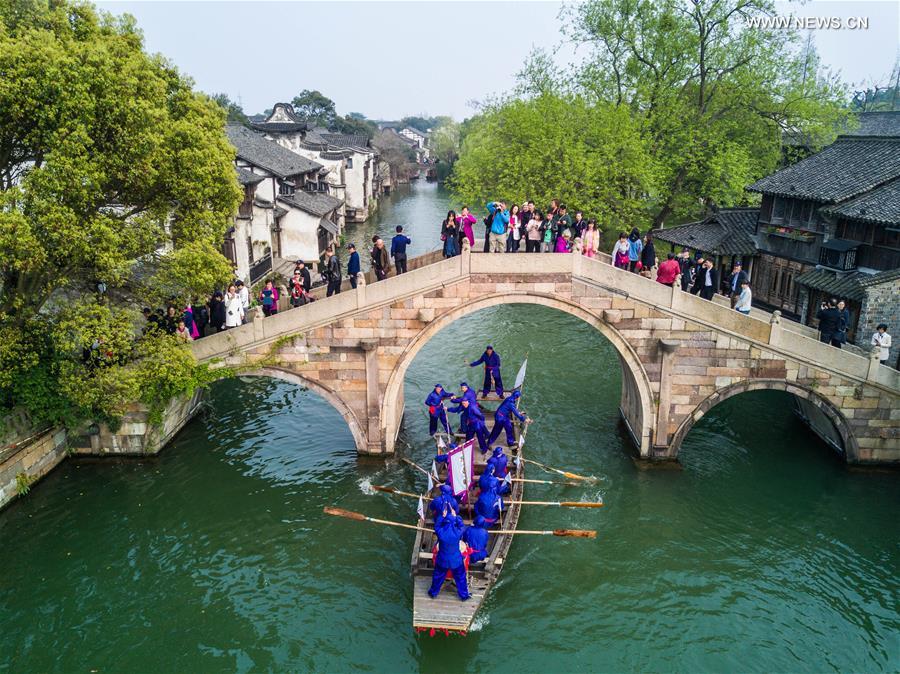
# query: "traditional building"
287,212
726,236
349,163
417,140
829,226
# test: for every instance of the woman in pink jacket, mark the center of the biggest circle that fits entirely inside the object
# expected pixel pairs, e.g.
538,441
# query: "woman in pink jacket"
464,223
590,240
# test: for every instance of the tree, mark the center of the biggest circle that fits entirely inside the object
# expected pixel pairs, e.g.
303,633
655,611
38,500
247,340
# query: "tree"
99,178
423,124
713,94
233,111
354,125
590,157
315,108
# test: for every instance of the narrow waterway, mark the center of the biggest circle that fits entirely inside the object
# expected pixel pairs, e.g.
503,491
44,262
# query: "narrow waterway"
762,553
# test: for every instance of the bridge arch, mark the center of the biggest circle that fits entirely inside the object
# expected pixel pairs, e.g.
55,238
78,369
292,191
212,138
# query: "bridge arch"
274,372
637,406
834,415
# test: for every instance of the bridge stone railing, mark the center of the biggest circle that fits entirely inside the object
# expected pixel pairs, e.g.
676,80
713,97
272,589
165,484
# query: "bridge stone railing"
430,272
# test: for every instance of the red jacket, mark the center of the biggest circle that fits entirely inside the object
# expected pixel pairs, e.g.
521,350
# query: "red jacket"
667,272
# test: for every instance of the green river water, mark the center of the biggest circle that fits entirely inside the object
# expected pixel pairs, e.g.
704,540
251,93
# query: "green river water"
762,553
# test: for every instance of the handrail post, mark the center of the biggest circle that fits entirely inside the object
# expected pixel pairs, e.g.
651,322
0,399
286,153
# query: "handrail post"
775,328
874,363
466,257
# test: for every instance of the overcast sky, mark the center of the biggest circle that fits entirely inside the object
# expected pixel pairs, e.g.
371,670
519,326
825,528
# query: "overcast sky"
390,59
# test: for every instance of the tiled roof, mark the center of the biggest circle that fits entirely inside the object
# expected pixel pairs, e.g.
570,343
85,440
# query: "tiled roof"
246,177
315,203
846,168
889,276
881,206
728,232
279,127
877,124
267,154
840,286
328,226
849,286
346,139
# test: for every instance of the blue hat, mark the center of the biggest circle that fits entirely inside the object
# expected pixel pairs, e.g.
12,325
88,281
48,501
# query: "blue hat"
479,522
447,490
438,386
490,467
489,347
515,394
498,451
462,383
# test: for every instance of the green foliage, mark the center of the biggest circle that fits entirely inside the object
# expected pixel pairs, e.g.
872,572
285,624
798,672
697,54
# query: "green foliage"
590,157
233,111
23,483
165,368
445,141
107,156
422,123
314,107
709,97
190,271
713,96
354,125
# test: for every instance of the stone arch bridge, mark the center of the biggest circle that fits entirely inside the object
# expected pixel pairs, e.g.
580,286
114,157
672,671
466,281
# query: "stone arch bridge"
680,355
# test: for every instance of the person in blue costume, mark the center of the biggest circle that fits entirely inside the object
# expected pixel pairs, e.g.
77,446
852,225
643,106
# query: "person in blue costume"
488,505
491,361
475,427
489,482
499,461
503,419
445,499
476,537
449,530
436,412
467,394
472,419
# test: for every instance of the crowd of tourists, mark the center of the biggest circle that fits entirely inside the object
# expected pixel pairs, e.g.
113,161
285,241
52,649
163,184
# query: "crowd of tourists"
558,231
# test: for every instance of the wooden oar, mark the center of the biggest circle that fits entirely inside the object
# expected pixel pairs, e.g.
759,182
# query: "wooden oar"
418,467
564,504
350,515
525,479
564,473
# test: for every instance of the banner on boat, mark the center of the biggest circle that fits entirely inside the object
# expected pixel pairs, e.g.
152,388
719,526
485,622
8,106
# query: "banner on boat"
461,464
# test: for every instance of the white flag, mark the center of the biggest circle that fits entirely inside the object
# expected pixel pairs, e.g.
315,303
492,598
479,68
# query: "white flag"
440,443
520,377
430,483
500,505
508,478
521,441
421,509
516,461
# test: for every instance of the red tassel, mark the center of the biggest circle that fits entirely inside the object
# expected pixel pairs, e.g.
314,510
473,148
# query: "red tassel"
431,633
462,633
446,632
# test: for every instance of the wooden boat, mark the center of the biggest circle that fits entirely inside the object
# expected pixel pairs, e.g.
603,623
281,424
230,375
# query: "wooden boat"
447,613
